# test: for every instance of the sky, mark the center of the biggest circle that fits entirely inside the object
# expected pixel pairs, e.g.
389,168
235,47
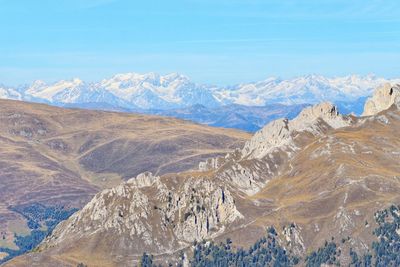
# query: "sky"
211,41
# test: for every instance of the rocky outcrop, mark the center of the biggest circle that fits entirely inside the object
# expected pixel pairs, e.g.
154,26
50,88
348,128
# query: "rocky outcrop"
265,153
293,238
382,99
146,211
210,164
202,209
144,179
260,160
279,133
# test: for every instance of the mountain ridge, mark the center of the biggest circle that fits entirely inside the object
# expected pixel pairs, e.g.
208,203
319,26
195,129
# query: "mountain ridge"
268,183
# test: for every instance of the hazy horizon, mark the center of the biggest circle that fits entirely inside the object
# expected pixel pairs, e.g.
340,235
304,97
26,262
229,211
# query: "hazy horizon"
52,81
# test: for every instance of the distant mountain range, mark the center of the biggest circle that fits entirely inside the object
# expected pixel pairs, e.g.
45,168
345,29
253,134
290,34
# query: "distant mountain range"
247,118
245,106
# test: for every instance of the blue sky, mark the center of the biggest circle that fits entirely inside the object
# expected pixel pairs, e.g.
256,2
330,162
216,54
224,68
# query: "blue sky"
211,41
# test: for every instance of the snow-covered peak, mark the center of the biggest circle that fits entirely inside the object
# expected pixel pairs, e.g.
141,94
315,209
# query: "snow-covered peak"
154,91
38,83
310,89
132,76
9,93
40,89
174,78
150,77
77,81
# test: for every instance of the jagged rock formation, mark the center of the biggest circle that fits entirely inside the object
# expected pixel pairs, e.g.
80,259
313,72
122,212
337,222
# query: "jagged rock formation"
276,144
150,213
317,177
382,99
279,133
210,164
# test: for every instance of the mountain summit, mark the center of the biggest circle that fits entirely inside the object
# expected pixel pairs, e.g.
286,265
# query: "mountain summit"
279,132
382,99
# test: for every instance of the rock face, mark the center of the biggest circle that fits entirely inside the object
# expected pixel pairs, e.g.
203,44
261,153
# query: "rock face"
270,147
382,99
279,133
146,212
210,164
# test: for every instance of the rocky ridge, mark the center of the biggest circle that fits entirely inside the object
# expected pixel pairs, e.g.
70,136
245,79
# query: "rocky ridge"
273,145
382,99
152,215
279,133
191,207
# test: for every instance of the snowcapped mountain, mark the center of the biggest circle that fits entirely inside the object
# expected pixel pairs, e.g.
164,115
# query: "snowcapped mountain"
245,106
9,93
309,89
151,91
130,91
74,91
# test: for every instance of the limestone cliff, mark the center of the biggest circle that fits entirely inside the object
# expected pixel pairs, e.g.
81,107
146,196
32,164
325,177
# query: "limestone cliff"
147,213
279,133
382,99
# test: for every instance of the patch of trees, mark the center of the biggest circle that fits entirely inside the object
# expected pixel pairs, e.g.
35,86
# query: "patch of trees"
146,261
265,252
386,250
364,261
325,255
37,216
